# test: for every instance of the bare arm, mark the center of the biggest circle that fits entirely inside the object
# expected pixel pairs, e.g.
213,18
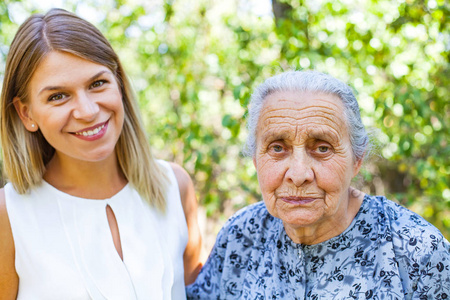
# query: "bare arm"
9,281
192,262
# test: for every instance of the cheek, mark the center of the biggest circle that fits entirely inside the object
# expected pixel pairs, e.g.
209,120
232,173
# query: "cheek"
119,106
50,120
335,174
270,175
120,112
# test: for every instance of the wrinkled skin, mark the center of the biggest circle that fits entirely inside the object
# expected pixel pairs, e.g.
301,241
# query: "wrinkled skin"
305,164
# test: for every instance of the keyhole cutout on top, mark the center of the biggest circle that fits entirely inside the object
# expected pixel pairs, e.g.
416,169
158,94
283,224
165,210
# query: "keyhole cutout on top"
114,230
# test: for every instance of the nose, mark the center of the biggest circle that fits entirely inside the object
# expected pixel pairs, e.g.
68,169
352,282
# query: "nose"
299,170
86,108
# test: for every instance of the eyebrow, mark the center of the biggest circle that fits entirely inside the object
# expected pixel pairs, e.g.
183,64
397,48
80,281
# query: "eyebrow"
323,135
60,87
275,135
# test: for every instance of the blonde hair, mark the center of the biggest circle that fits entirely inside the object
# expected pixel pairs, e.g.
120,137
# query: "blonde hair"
25,154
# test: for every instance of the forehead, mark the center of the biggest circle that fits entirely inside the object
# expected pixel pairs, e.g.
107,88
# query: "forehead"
63,68
309,113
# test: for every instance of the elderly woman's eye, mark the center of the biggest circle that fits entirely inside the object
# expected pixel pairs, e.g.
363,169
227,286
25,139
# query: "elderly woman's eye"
323,149
277,148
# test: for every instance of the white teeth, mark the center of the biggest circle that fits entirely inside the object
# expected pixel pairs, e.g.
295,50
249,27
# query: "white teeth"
90,132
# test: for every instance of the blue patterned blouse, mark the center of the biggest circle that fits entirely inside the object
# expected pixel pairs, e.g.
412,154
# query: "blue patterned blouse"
388,252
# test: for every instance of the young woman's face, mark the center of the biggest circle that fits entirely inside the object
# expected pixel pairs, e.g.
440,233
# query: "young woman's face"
76,104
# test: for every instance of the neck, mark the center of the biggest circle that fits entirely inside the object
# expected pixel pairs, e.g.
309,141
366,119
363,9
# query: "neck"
311,235
91,180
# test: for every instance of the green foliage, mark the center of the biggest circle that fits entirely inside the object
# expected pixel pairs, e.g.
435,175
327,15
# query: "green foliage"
194,65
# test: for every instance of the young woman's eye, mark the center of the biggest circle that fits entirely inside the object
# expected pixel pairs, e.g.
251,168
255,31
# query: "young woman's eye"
56,97
98,83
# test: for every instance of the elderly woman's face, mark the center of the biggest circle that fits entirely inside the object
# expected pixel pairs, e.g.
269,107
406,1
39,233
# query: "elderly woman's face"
304,159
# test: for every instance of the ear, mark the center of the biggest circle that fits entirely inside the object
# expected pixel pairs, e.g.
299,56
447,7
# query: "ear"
254,161
23,110
357,166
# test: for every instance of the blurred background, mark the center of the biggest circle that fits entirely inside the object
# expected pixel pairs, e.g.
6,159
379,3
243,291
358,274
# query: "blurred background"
194,64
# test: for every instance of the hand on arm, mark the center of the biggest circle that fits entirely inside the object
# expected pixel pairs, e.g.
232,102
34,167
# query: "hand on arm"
9,281
192,253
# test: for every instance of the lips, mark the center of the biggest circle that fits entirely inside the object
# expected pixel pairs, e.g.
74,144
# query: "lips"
92,133
298,200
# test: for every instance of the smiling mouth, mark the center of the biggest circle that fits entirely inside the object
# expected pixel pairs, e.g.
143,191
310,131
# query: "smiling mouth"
92,131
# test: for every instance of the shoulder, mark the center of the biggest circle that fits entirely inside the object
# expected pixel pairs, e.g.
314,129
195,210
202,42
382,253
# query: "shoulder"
192,253
8,275
185,185
404,223
415,240
252,224
183,178
245,233
183,181
5,226
256,212
4,220
2,196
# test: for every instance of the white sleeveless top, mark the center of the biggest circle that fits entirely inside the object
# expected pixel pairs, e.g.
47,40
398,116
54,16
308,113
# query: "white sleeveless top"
64,247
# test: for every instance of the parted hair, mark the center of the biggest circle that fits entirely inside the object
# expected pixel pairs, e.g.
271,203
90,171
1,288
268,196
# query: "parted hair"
25,154
312,81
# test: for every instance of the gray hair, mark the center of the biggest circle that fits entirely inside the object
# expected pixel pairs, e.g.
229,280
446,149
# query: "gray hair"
311,81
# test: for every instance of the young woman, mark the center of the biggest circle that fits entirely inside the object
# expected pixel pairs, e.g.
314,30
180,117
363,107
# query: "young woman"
87,213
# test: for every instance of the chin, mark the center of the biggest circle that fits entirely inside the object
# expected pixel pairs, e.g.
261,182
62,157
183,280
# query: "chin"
298,219
299,223
98,157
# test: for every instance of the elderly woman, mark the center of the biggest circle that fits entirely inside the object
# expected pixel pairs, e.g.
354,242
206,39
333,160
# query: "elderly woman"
314,236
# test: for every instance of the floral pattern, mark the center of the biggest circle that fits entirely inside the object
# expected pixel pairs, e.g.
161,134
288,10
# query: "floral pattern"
388,252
